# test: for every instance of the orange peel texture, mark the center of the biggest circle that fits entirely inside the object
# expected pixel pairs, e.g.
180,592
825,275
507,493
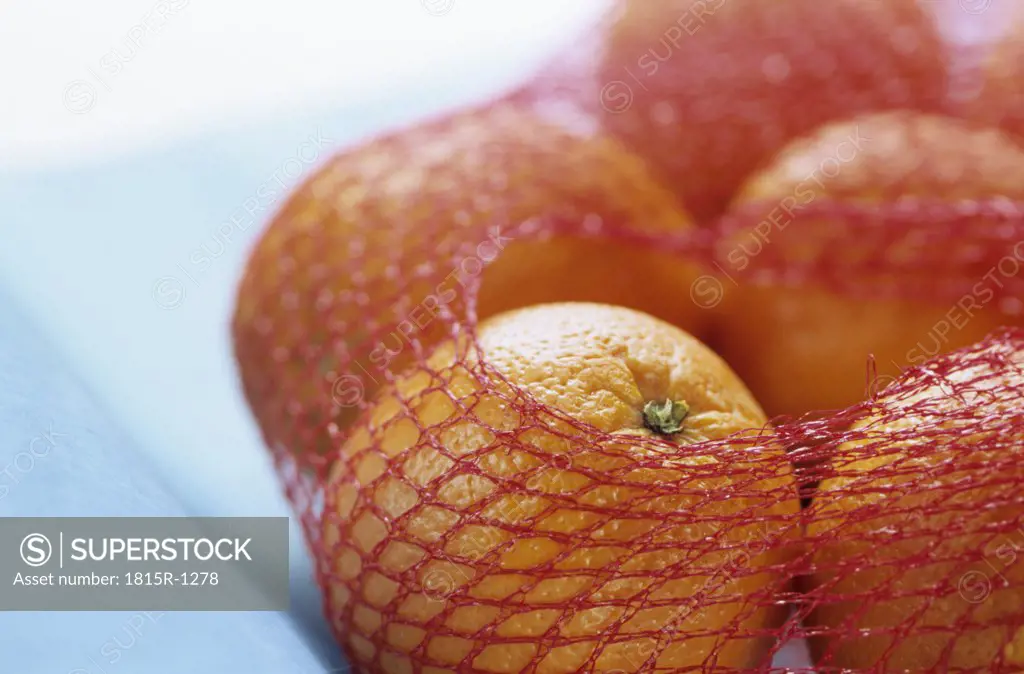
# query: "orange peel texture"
916,537
369,261
708,90
806,348
504,509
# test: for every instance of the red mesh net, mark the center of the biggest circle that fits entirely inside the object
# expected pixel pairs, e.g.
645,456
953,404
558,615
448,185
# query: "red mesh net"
576,488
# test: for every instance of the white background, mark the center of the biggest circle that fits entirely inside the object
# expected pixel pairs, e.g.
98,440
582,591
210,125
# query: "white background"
213,63
225,62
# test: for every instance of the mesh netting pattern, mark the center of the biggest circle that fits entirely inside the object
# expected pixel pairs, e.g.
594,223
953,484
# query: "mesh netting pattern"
484,491
517,534
844,206
366,275
708,90
916,525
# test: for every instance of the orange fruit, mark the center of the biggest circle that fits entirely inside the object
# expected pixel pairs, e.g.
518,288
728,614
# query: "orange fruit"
807,348
372,257
709,90
1014,651
916,536
1001,100
535,501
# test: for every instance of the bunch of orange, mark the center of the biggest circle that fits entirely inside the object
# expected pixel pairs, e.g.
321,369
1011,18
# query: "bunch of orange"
480,335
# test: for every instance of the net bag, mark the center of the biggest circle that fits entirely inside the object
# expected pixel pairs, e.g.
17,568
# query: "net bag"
483,493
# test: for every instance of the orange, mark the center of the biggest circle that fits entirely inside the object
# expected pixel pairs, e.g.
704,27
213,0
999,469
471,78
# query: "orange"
1001,100
1014,651
917,537
709,90
468,529
373,259
807,348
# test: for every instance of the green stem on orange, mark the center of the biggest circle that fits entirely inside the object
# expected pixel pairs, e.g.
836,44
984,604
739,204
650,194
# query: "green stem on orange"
665,417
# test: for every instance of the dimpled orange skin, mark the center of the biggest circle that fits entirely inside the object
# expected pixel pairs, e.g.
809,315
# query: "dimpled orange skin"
905,513
489,542
806,349
709,90
372,248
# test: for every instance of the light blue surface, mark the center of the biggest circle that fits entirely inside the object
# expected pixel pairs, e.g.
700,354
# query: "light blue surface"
83,252
60,455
